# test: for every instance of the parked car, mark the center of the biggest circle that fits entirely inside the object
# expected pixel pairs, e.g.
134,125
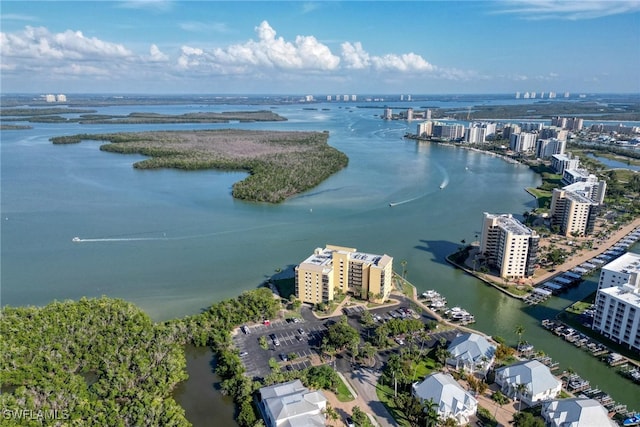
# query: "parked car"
246,329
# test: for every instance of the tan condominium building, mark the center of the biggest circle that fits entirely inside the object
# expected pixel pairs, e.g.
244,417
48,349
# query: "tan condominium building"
336,268
509,246
573,213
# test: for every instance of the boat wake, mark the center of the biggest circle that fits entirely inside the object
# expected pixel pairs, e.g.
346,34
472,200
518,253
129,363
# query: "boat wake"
445,180
174,238
392,204
123,239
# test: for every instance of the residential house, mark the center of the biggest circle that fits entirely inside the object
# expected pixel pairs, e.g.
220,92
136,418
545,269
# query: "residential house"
451,399
537,381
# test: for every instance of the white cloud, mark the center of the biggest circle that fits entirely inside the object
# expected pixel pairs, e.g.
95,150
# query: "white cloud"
156,55
355,56
307,53
568,10
37,43
18,17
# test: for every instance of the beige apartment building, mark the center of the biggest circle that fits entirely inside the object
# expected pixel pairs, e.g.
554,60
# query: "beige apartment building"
337,268
509,246
572,212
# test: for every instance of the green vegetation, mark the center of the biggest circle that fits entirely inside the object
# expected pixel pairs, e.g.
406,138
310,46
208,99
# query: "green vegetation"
280,164
53,115
342,392
544,109
22,112
95,361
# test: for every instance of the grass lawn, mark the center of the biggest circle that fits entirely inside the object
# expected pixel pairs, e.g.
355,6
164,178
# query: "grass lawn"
385,395
543,197
342,393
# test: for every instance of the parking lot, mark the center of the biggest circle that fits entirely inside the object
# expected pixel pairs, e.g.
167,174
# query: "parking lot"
284,339
301,338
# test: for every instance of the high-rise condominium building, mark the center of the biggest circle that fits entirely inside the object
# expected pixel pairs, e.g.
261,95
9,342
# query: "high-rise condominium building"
509,246
574,213
522,142
617,303
336,268
624,270
562,162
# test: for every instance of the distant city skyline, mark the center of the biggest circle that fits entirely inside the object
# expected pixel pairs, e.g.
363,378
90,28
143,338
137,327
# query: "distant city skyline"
333,48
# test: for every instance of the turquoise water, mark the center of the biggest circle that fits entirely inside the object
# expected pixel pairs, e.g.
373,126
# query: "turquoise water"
173,242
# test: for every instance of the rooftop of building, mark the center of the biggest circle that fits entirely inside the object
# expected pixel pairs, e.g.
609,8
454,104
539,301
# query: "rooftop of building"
323,257
628,263
534,374
510,224
626,293
578,198
576,412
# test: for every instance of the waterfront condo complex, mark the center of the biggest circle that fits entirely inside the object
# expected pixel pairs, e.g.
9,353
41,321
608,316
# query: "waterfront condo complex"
617,306
337,268
509,246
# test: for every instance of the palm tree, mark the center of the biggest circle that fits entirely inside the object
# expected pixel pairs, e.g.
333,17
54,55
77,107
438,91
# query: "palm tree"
430,409
519,330
520,389
403,263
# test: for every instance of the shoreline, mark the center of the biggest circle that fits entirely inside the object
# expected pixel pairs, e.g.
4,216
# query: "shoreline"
569,264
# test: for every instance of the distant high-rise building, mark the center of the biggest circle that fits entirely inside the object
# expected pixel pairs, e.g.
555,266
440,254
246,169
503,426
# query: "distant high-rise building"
517,95
388,114
354,98
523,142
526,95
448,131
566,94
61,98
50,98
541,95
408,97
425,129
545,148
509,246
562,162
401,97
428,115
533,95
345,97
328,97
552,95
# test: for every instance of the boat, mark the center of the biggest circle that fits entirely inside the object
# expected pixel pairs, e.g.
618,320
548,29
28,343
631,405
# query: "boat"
75,239
442,186
631,421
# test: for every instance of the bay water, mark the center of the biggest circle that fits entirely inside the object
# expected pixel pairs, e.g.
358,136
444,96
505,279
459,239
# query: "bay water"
173,242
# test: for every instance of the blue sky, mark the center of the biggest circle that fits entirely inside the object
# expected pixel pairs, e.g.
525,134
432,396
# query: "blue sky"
333,47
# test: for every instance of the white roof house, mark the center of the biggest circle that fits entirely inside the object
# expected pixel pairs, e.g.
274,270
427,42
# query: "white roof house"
539,381
291,404
471,352
576,413
452,400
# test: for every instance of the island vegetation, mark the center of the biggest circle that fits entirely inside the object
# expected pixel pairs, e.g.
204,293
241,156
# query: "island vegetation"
280,164
91,362
57,115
